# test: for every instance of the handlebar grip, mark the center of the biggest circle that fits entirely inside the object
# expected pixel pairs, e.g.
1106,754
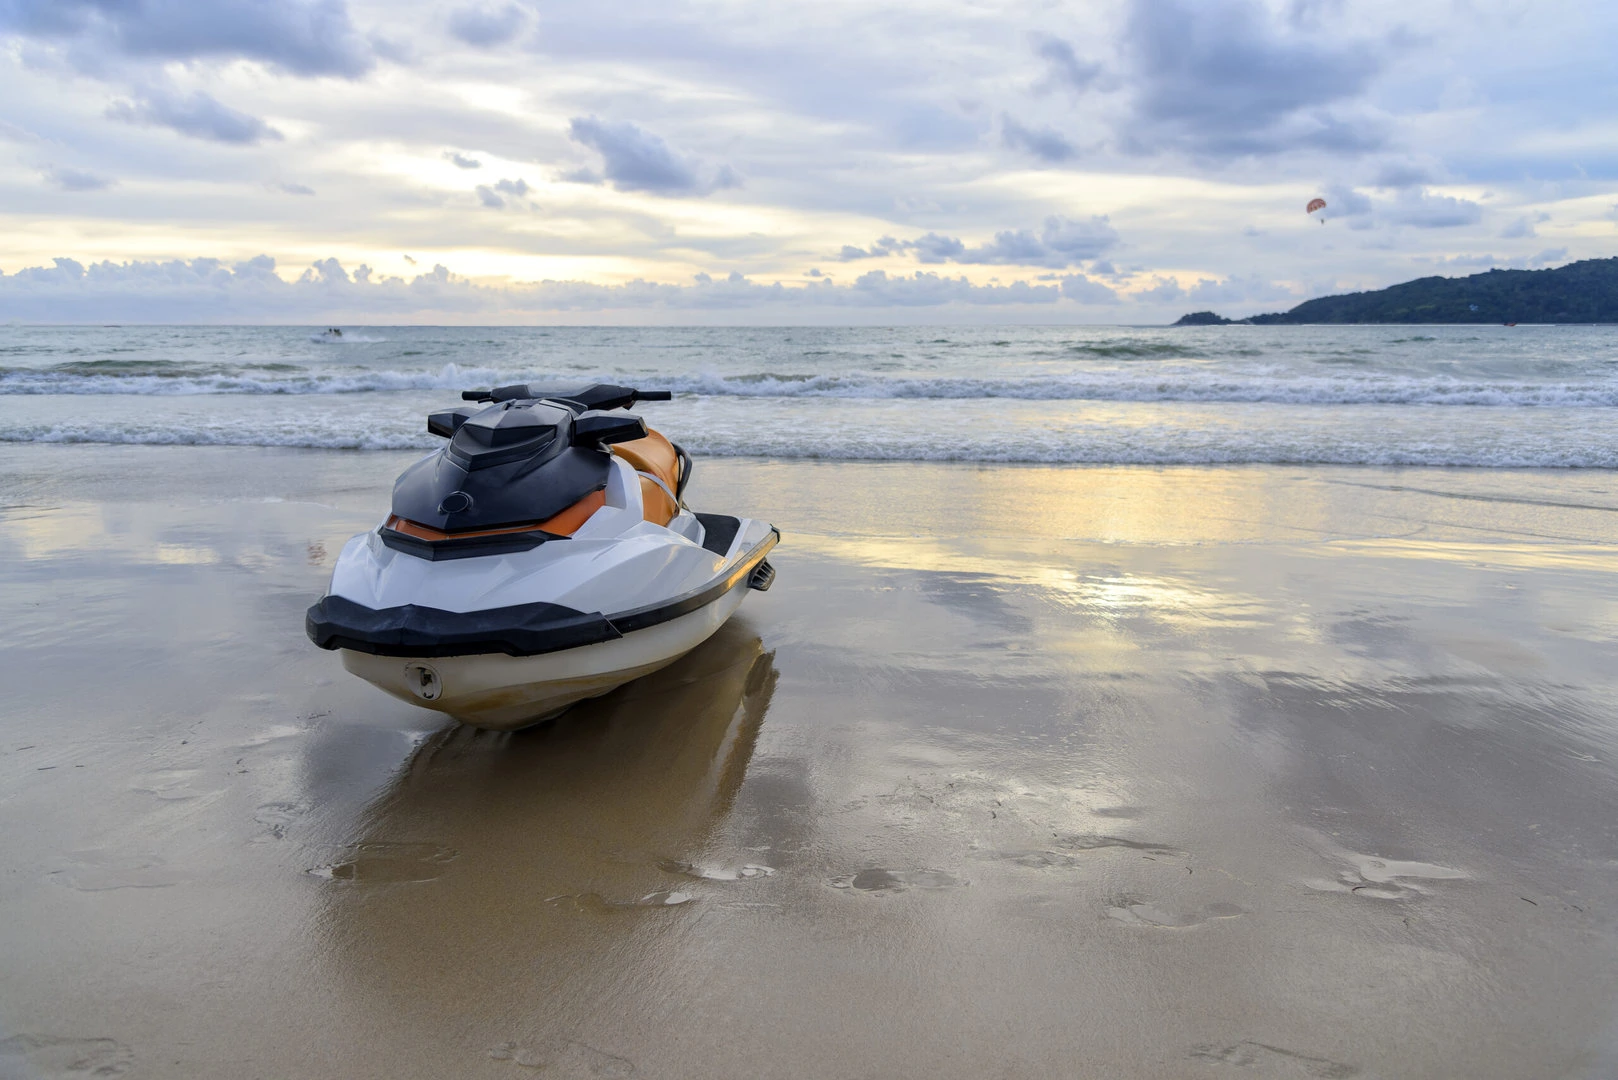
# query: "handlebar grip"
654,395
476,395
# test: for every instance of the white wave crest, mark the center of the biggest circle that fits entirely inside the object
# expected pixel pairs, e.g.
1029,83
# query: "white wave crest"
346,339
1184,385
1213,445
451,377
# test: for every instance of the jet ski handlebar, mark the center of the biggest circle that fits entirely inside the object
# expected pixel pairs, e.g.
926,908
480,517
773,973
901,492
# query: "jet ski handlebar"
595,396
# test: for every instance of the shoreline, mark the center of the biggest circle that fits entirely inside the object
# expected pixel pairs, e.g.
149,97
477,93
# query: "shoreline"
1185,503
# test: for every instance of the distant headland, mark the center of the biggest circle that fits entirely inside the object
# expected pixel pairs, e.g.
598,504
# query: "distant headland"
1580,292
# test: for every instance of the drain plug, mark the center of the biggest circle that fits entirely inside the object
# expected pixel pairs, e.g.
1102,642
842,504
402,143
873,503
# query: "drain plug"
423,681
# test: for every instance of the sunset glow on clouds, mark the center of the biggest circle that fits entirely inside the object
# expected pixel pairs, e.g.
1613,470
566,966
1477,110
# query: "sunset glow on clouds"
241,160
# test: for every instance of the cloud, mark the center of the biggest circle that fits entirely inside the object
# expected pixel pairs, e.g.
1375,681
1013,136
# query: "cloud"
1063,68
1544,258
932,128
1484,261
76,179
304,37
1078,240
636,160
1061,243
1235,289
208,290
1047,144
1424,210
293,189
1165,291
492,196
934,248
1402,174
486,26
1208,292
1081,289
1415,206
197,115
1346,202
1519,229
461,161
931,290
1226,78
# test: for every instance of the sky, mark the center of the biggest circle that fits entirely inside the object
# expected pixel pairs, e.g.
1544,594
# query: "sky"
878,161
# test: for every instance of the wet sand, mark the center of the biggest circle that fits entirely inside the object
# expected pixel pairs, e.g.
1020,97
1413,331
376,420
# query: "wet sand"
1017,772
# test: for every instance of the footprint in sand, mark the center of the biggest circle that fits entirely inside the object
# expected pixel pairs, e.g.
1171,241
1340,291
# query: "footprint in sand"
277,818
174,785
98,871
566,1057
378,862
1078,852
596,902
715,872
1275,1061
1098,842
1135,912
47,1056
1375,878
878,880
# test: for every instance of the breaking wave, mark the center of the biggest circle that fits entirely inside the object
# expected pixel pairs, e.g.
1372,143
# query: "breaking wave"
1290,396
165,378
1297,442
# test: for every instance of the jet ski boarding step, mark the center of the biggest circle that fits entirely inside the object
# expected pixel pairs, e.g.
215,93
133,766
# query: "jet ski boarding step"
719,532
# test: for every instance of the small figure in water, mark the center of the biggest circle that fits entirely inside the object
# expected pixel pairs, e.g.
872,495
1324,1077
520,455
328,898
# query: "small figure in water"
334,332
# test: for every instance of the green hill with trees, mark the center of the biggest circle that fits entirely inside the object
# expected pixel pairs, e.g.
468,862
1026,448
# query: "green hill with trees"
1580,292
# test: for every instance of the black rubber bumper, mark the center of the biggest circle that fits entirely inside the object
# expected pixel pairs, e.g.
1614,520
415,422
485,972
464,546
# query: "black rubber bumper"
523,630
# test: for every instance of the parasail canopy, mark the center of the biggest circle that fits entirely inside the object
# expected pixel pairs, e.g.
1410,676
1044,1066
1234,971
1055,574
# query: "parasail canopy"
1316,204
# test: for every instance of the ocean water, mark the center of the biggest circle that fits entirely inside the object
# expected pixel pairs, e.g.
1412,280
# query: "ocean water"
1539,396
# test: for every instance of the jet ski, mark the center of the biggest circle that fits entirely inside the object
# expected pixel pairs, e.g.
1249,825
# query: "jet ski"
542,556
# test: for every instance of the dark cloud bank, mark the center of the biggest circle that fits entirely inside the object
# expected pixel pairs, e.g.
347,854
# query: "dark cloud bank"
129,41
1218,80
208,290
1060,243
303,37
197,115
487,27
636,160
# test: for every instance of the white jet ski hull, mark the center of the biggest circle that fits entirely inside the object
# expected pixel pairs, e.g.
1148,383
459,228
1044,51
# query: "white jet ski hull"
484,640
504,693
526,566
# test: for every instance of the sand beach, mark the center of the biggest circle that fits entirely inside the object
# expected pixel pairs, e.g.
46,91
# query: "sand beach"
1019,771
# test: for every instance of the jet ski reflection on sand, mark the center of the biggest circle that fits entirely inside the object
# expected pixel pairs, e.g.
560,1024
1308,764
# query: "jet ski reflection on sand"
544,555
